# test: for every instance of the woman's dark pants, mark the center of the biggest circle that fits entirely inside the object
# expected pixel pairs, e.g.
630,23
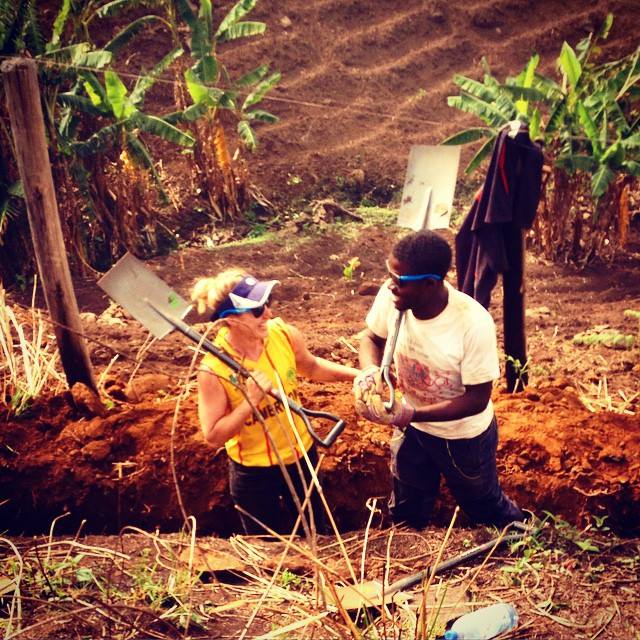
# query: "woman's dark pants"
263,492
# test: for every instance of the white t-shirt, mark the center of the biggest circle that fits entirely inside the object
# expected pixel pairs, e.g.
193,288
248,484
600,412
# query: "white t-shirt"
436,358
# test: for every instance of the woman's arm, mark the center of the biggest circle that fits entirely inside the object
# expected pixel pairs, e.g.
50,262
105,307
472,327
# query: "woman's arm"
315,367
218,424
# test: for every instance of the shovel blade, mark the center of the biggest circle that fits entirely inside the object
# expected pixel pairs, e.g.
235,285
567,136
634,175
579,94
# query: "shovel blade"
132,286
364,595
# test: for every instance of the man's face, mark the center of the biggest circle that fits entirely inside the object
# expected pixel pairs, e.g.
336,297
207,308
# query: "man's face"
407,295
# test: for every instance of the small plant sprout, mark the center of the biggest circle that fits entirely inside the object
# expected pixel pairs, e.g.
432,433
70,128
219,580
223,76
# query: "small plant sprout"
290,579
521,370
350,268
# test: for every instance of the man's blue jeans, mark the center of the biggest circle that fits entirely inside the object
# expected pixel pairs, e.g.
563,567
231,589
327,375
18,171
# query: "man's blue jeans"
263,492
468,465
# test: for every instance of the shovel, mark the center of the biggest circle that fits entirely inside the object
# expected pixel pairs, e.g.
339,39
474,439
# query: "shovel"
151,301
387,359
369,593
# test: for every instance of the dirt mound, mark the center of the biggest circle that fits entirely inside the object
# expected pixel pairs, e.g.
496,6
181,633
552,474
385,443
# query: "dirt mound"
119,468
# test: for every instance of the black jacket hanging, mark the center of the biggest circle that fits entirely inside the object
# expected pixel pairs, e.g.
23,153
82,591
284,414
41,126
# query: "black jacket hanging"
509,197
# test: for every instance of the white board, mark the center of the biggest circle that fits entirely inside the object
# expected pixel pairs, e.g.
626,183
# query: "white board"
429,187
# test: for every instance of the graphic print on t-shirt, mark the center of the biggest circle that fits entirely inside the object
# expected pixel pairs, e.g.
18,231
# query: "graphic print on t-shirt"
426,384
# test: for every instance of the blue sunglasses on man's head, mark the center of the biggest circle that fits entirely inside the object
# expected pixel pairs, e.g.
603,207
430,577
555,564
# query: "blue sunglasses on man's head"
401,280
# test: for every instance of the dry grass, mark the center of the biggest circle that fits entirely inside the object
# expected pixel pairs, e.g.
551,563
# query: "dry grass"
29,356
146,585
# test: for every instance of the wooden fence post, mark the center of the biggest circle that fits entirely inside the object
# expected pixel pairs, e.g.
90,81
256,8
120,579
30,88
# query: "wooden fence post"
27,124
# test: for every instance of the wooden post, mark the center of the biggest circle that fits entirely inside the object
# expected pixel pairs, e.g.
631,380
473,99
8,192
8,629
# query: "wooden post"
515,338
27,124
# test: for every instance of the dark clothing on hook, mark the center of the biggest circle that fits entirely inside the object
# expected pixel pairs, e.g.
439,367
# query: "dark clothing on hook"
508,199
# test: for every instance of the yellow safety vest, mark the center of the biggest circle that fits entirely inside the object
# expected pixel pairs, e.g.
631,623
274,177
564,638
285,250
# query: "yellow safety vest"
251,446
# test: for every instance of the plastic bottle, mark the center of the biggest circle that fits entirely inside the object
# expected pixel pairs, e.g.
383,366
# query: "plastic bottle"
485,623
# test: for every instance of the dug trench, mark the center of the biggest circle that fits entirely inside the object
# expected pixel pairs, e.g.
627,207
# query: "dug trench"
119,468
126,461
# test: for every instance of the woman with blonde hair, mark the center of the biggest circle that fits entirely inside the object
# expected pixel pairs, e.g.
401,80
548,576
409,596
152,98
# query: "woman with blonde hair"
252,425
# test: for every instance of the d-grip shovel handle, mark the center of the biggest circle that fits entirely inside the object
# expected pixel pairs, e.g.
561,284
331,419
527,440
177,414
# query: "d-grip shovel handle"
208,346
305,414
387,359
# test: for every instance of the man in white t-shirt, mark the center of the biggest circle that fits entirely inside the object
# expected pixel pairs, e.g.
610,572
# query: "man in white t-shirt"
446,361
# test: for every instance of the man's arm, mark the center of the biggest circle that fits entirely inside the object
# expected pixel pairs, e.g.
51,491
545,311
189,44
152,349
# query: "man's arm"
474,399
371,349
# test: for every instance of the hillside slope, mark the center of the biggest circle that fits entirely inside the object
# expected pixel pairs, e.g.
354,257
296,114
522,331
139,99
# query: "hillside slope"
363,80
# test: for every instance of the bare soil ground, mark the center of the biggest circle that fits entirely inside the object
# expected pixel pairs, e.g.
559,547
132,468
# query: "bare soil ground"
362,82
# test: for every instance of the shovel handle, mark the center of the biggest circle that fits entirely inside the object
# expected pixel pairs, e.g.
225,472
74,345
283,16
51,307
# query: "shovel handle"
385,366
208,346
305,414
410,581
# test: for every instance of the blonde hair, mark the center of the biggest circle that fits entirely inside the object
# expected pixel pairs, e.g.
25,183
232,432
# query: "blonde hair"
208,293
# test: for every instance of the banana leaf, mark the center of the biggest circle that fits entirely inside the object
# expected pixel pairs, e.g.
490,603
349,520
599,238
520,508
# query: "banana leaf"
570,65
253,76
117,96
98,142
242,30
80,103
477,107
468,135
247,135
475,88
129,32
262,116
261,89
481,154
145,82
238,11
59,23
601,180
159,127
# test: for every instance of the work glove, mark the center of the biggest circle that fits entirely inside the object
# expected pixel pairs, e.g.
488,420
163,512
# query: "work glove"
366,381
372,408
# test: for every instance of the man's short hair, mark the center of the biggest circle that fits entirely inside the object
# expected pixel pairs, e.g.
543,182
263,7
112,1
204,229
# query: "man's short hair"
424,252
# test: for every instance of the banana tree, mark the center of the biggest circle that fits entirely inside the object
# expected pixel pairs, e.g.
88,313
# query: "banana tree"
223,180
496,105
589,124
120,160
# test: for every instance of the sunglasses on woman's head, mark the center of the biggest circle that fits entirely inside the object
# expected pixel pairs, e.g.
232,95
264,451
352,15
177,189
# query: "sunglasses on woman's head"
402,280
256,312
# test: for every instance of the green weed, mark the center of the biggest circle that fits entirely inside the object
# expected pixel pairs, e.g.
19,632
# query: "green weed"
350,268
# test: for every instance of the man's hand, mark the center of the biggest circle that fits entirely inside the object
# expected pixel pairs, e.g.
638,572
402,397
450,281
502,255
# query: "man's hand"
371,407
366,381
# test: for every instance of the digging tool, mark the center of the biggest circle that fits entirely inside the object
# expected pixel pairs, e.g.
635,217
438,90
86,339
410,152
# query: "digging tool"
150,301
369,593
387,360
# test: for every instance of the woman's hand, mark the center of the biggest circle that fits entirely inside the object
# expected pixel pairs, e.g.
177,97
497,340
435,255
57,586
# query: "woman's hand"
257,386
